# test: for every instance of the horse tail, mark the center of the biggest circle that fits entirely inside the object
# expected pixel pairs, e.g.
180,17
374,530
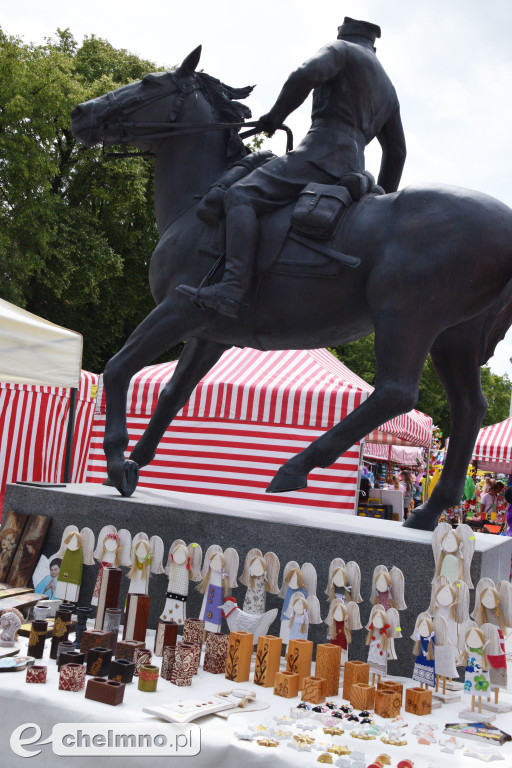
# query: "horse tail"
498,322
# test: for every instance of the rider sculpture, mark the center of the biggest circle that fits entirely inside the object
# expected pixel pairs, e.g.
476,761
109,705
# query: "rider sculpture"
354,102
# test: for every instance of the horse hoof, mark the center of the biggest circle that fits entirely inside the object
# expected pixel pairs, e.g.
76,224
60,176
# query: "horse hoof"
286,480
125,476
108,482
420,521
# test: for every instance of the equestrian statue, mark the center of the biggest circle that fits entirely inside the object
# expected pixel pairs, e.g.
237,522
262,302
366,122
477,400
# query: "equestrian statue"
305,251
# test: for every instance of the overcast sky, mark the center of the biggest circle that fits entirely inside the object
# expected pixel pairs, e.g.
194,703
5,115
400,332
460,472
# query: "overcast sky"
451,63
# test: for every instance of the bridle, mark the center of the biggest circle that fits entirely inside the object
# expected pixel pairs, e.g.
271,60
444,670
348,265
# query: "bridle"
139,130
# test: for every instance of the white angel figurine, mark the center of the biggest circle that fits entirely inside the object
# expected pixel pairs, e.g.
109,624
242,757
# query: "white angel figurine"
424,637
453,551
445,654
301,612
388,588
219,574
383,629
260,576
342,619
344,581
493,606
146,557
295,580
183,566
76,548
452,603
112,550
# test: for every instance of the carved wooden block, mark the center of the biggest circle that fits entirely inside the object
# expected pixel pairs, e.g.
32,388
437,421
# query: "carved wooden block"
313,689
28,550
107,691
141,657
328,663
72,677
355,672
286,684
168,662
98,661
36,674
216,653
183,667
362,696
136,617
193,631
387,702
268,659
299,657
92,638
418,701
166,634
393,686
121,670
238,662
126,649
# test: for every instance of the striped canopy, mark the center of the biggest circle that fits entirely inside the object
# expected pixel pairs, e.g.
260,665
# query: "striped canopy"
309,388
493,447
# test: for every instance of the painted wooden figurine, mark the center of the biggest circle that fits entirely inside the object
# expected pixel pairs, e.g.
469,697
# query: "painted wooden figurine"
219,574
453,551
295,580
476,677
493,606
343,618
383,628
183,566
451,602
112,550
388,588
260,576
301,612
76,549
445,654
146,557
344,581
424,671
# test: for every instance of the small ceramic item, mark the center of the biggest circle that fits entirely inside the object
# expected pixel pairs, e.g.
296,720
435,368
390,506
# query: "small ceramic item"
36,674
148,678
72,677
121,670
10,621
238,620
37,637
105,691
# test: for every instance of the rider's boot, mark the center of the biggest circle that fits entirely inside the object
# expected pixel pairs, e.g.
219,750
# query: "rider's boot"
226,296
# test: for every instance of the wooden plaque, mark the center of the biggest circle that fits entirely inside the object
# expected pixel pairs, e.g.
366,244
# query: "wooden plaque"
136,617
13,524
29,549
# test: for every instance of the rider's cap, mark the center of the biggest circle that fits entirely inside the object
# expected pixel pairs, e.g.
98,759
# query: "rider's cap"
361,28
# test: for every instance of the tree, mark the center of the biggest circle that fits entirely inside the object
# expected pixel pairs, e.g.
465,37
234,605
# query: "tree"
359,356
76,231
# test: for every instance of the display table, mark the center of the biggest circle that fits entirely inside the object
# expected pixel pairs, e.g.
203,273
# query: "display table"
45,705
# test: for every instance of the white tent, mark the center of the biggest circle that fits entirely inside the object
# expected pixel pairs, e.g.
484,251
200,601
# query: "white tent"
35,351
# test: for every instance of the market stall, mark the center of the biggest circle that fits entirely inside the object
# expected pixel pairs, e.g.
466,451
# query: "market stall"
493,448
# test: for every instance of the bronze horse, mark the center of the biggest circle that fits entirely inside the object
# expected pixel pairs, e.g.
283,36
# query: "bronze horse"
435,276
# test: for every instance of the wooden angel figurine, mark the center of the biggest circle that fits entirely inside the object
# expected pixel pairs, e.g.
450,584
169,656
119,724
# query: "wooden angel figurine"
76,549
342,619
424,671
146,557
445,654
344,581
493,606
453,551
183,566
219,574
383,629
301,612
476,677
451,602
388,588
260,576
112,550
295,580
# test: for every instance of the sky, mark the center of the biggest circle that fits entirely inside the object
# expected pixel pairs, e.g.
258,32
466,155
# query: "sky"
450,62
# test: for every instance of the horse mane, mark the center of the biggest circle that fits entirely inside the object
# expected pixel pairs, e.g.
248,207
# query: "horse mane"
224,101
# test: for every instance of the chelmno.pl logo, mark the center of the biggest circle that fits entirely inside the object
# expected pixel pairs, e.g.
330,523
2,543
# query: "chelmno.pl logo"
104,739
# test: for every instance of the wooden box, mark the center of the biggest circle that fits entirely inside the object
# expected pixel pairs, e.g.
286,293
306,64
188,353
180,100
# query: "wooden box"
268,659
328,663
387,702
238,662
362,696
216,652
92,638
355,672
393,686
313,689
107,691
418,701
299,657
286,684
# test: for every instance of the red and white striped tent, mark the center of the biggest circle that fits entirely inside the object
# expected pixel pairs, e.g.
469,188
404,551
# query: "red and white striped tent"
33,425
493,447
249,414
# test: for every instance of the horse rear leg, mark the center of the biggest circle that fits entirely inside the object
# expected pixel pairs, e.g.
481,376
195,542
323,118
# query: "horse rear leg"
399,365
162,329
455,357
196,359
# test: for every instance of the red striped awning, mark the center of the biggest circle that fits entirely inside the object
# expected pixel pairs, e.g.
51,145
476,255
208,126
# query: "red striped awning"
493,447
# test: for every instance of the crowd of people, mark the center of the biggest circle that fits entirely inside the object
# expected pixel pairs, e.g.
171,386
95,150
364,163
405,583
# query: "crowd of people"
488,500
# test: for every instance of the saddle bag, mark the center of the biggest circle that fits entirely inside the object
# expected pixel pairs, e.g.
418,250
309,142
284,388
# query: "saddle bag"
318,210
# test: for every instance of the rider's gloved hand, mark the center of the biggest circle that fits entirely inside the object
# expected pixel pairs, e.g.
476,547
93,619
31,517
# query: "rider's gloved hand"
267,124
211,207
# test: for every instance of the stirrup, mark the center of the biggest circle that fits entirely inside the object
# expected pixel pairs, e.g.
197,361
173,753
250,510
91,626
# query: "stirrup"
221,304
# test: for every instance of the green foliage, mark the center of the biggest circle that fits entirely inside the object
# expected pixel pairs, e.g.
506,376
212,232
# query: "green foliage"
76,231
359,357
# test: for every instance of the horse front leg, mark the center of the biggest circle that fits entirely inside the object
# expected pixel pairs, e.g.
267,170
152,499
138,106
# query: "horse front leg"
162,329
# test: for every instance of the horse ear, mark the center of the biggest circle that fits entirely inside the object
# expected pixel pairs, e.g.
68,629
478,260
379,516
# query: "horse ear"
189,64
